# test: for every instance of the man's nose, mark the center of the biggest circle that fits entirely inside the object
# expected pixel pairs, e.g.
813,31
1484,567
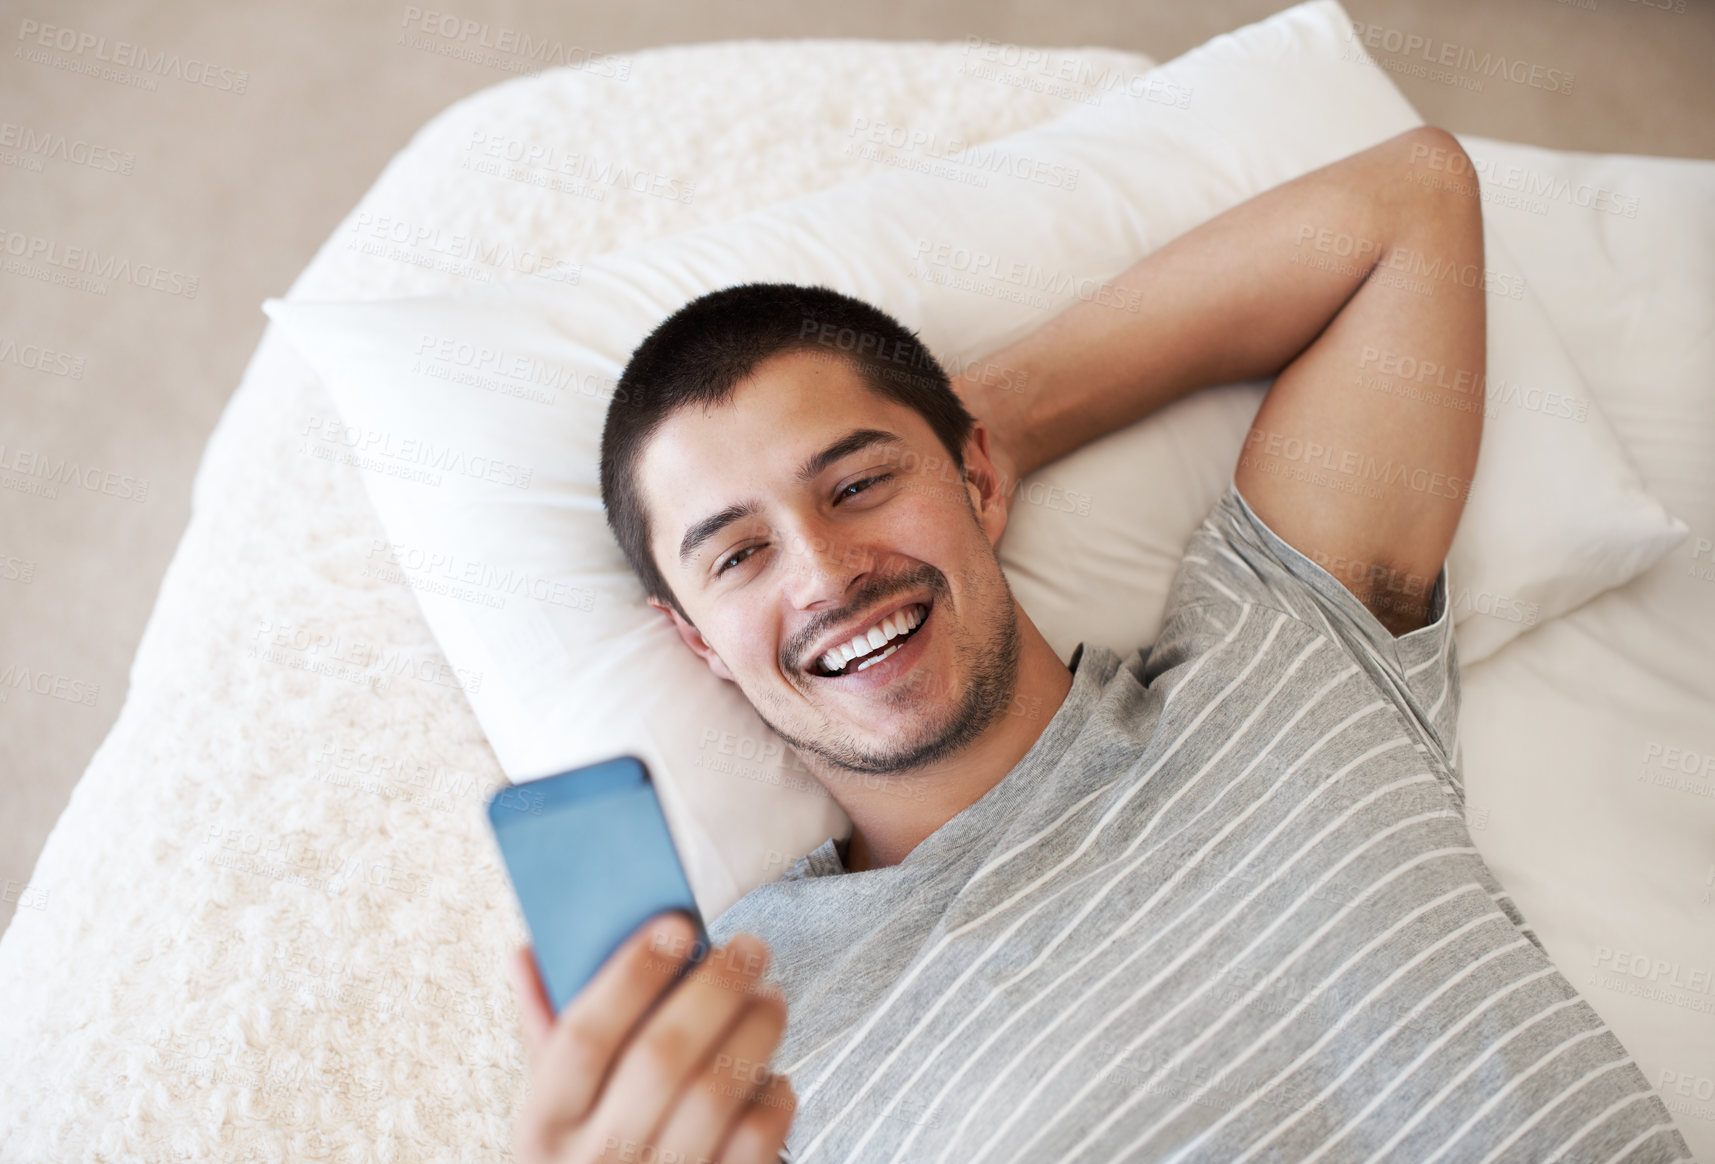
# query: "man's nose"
822,565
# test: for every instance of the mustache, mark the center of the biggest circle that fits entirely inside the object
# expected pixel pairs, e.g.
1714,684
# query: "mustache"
873,592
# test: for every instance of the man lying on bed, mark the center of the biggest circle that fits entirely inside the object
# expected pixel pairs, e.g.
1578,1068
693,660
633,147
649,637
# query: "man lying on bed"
1215,901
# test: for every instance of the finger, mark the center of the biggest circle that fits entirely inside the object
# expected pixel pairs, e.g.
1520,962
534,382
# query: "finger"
536,1016
719,1094
761,1130
581,1048
674,1041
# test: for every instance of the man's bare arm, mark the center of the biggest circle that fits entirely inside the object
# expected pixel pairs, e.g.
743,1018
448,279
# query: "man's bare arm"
1360,287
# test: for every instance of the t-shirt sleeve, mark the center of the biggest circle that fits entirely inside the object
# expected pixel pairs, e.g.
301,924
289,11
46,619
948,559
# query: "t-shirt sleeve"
1234,560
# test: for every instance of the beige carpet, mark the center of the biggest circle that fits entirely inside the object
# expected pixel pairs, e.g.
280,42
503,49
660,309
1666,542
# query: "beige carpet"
214,184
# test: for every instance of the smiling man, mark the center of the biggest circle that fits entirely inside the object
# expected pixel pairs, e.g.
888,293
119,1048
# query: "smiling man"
1215,901
851,587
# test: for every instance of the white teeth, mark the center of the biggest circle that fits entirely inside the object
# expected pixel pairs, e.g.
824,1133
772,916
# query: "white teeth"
877,636
878,658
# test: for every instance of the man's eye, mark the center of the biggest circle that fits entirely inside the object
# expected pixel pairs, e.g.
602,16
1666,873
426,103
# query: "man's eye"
738,556
860,486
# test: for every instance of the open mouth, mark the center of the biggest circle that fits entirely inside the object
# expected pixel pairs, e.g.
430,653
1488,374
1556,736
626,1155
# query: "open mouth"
858,654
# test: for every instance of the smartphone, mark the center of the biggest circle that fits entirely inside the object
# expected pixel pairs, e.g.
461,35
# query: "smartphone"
590,860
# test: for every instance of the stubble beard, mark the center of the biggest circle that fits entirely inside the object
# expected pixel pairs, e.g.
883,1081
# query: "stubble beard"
992,667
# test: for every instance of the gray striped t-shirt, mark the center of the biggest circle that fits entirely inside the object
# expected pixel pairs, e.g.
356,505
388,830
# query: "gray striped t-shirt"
1226,908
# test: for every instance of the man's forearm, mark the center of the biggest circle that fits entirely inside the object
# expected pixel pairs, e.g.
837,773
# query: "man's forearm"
1225,302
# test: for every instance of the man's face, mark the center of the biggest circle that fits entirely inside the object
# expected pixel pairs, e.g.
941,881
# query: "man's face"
876,531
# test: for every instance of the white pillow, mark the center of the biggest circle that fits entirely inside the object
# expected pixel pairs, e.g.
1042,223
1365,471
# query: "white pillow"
478,415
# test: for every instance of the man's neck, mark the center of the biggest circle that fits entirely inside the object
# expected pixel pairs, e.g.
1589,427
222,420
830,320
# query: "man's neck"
891,815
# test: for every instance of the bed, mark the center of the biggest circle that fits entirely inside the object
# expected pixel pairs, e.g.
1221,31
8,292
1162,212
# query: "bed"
270,924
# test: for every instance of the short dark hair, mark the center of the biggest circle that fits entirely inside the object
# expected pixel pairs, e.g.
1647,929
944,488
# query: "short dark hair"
700,354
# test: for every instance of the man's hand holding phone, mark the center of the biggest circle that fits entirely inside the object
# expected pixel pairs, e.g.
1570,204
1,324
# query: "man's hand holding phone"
644,1065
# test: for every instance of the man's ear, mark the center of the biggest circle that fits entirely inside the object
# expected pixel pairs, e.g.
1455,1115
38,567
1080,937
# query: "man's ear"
694,639
988,479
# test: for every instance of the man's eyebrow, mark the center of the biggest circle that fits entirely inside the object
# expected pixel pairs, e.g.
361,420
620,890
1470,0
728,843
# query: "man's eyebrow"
855,441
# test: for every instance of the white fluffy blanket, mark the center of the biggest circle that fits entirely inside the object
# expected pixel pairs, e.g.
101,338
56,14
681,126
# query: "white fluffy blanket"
273,924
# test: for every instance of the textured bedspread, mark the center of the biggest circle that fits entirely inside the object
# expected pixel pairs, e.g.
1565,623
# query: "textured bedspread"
274,924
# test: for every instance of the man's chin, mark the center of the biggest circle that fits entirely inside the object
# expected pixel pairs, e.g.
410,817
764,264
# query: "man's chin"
918,741
897,744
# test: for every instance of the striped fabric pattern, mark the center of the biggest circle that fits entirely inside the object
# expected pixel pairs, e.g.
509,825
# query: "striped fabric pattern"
1225,909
